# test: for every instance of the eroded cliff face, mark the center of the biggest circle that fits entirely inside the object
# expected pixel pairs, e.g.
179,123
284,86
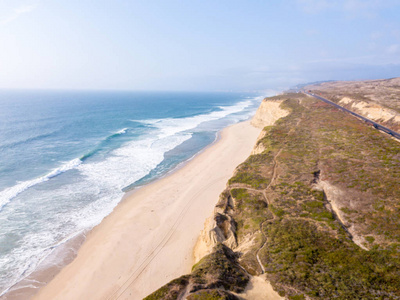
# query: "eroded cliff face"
313,211
373,111
268,112
378,100
220,227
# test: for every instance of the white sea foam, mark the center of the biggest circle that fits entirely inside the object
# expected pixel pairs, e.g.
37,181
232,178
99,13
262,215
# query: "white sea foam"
131,162
122,131
102,183
170,126
9,193
83,203
134,160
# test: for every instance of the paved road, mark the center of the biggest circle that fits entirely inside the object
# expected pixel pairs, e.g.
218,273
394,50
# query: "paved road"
376,125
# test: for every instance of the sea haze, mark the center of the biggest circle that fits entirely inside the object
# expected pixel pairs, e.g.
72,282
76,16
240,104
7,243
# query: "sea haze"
67,157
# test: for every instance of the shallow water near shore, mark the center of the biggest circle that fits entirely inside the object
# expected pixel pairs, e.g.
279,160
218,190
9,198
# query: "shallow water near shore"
68,157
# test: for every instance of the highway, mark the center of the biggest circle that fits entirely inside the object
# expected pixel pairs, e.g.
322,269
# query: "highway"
376,125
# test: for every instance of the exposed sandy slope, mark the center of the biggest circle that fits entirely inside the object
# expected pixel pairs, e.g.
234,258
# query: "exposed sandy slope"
149,238
371,110
259,288
268,113
377,100
383,91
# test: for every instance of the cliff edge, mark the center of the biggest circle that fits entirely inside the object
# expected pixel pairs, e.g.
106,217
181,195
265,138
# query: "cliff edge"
268,112
312,213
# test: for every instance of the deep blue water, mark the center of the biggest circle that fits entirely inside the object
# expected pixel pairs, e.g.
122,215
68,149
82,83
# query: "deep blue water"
66,157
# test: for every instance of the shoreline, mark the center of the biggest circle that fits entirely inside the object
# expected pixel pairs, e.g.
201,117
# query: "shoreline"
170,222
66,252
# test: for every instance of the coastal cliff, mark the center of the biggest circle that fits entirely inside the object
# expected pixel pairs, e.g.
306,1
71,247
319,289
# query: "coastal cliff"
313,212
377,100
268,112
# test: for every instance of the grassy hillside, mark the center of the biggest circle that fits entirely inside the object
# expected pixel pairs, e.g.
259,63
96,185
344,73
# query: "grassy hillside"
317,210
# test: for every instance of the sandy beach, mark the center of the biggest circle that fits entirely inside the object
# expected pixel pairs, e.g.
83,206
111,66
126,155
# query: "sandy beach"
148,239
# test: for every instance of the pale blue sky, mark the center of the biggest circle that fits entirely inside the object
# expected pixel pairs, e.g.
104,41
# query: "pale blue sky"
210,45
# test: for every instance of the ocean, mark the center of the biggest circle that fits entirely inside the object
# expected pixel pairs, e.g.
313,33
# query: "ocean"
68,157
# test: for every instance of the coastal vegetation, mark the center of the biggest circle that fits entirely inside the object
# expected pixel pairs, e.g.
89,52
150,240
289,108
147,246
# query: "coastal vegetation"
316,209
211,278
375,99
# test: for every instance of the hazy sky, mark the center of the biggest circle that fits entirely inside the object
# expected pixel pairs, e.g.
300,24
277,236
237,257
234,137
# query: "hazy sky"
195,44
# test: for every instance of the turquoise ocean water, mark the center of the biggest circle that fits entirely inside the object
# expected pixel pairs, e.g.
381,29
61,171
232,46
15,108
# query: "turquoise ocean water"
66,158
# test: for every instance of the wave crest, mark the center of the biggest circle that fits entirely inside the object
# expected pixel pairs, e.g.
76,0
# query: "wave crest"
9,193
171,126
